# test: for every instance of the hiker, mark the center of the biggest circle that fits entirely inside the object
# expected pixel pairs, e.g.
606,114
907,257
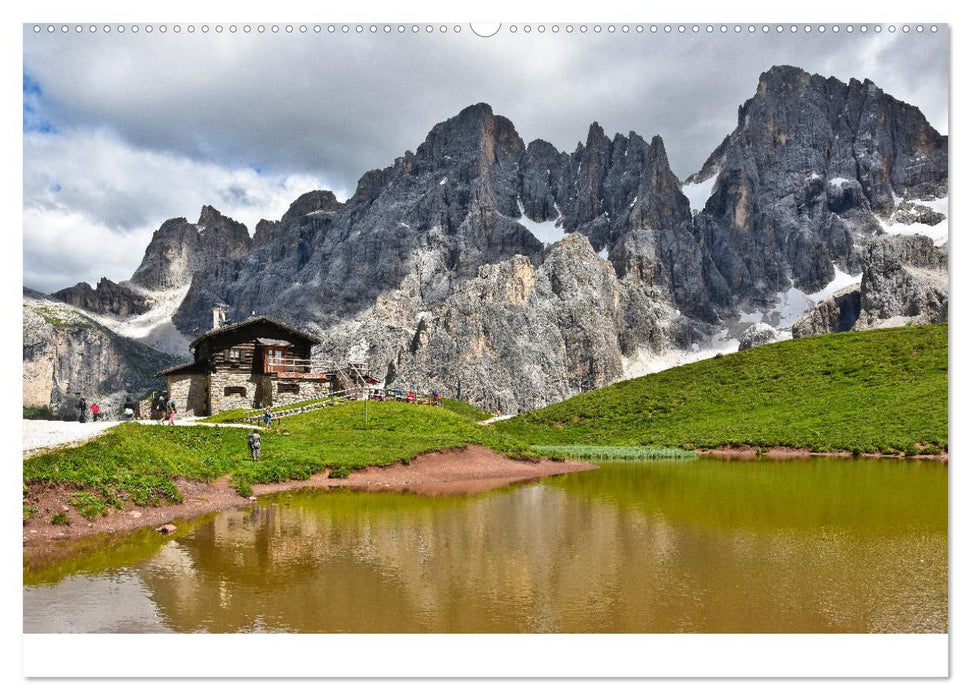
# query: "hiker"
435,396
411,397
171,408
254,444
267,417
95,408
82,410
397,396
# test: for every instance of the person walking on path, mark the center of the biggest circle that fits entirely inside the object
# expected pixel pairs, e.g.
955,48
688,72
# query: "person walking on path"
95,408
267,417
254,444
171,408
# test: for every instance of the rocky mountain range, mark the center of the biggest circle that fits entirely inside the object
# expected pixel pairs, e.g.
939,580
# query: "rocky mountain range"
513,275
67,354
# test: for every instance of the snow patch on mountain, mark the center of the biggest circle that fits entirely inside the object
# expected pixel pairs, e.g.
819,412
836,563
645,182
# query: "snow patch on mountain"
645,361
840,280
699,192
154,328
938,233
547,232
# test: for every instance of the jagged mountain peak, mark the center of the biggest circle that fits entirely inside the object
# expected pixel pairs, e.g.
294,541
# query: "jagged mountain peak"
314,202
211,219
657,152
805,179
179,249
473,130
780,78
595,134
809,164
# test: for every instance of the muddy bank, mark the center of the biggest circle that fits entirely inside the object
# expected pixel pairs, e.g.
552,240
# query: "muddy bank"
471,469
751,452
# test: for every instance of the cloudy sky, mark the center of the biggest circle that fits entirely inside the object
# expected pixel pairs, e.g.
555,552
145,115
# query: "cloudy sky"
123,131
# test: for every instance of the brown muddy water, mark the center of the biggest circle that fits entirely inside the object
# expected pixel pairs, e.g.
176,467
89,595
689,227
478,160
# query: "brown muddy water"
816,545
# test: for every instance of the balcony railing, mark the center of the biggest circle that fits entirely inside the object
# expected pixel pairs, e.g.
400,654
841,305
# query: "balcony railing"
287,365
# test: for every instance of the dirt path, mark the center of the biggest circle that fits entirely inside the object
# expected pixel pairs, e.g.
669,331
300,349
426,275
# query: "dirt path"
470,469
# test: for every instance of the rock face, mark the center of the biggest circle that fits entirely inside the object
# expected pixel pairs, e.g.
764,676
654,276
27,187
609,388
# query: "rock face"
905,281
107,298
834,314
180,249
759,334
801,181
66,352
516,336
514,275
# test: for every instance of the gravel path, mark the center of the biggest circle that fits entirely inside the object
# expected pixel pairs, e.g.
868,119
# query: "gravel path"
42,434
50,433
487,421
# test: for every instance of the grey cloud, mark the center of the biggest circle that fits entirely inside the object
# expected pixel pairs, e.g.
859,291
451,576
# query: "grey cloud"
338,105
148,127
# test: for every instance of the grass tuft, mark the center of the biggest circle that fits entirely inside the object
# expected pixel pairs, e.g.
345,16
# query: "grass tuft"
88,505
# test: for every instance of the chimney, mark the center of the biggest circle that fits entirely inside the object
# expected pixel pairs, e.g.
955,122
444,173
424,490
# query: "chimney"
218,316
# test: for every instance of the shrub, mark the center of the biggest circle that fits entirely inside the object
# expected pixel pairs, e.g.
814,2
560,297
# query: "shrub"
339,473
241,484
88,506
38,413
60,519
29,512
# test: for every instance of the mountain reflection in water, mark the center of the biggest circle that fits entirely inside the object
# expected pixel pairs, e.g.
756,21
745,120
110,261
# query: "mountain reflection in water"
819,545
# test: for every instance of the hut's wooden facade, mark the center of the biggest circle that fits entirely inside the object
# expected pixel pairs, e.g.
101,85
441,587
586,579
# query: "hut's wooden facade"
251,364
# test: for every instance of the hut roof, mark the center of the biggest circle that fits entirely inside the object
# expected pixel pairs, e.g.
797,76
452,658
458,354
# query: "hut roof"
251,320
185,367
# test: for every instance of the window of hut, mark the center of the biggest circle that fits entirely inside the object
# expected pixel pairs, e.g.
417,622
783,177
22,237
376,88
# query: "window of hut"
235,391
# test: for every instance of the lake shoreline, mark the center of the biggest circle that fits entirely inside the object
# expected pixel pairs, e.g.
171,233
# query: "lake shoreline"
465,470
781,453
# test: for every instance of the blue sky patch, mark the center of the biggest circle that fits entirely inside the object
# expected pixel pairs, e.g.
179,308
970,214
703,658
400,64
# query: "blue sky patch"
33,121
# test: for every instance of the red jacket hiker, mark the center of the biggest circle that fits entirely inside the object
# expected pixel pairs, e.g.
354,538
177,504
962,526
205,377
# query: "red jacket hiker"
94,411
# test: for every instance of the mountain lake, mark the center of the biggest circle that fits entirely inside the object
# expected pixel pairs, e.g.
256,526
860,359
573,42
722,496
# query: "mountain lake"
706,545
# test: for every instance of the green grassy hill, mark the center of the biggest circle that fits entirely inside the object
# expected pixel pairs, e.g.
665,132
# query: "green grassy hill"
466,410
135,462
872,391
